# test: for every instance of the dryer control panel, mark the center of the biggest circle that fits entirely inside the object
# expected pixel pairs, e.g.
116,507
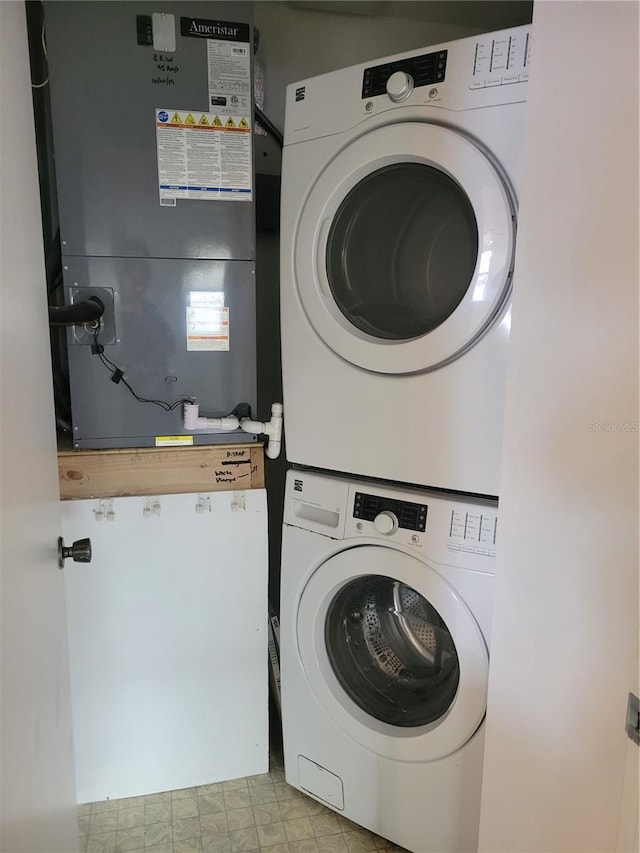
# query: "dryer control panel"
424,70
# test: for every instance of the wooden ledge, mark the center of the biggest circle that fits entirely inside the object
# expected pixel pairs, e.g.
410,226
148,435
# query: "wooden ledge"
160,471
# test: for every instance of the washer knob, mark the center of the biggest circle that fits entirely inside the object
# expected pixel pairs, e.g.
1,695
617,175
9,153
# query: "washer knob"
386,523
399,86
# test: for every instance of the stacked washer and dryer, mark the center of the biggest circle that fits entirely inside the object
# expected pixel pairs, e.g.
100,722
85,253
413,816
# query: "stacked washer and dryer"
399,210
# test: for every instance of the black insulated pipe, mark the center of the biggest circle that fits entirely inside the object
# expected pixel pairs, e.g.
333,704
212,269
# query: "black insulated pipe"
79,314
268,125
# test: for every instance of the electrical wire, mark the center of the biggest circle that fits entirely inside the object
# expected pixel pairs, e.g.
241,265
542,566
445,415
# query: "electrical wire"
115,371
44,50
265,122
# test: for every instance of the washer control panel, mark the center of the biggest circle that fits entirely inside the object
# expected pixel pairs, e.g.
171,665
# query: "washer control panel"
423,70
447,529
389,514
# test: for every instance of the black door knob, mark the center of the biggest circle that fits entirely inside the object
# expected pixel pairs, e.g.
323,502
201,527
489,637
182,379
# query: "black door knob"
80,551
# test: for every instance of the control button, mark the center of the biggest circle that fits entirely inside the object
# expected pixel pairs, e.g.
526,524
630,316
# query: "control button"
386,523
415,539
360,525
368,106
433,92
399,86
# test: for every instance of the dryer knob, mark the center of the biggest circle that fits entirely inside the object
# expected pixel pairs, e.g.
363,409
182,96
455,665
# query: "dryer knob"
386,523
399,86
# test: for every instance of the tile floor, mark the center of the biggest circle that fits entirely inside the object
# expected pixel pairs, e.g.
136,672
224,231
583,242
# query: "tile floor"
255,813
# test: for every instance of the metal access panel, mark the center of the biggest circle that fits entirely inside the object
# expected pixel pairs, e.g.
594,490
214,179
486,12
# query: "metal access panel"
156,329
113,96
152,115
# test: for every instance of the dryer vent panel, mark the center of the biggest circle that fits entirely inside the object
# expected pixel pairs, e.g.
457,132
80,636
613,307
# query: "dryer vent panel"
152,114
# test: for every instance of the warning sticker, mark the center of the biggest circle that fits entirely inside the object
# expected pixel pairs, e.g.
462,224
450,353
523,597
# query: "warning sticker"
204,159
207,322
173,440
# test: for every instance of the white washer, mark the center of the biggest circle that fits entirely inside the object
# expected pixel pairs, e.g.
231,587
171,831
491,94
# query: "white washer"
397,250
385,621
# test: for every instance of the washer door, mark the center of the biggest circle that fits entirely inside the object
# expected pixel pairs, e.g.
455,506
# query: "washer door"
393,654
404,248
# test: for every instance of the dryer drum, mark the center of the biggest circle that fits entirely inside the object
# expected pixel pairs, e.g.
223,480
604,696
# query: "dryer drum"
401,251
391,651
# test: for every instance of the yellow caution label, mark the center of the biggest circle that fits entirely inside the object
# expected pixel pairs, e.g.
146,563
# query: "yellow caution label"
175,119
204,120
243,123
189,119
229,122
216,122
173,440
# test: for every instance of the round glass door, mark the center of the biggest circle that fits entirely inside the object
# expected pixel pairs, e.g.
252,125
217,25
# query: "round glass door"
391,651
401,251
403,248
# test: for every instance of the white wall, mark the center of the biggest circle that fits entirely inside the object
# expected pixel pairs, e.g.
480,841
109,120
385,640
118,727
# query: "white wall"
566,620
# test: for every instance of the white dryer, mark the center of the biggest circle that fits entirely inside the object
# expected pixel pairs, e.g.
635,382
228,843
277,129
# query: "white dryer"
385,621
397,250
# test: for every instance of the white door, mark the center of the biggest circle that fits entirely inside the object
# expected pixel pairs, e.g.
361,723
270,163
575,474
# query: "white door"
393,654
37,780
565,622
404,248
174,606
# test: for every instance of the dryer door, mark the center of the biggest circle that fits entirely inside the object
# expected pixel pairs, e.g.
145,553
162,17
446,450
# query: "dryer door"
393,653
404,248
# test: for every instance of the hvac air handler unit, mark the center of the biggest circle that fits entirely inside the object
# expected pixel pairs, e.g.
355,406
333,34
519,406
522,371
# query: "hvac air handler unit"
152,114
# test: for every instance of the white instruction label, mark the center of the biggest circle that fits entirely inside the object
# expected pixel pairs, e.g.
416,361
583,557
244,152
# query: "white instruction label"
229,66
207,298
207,322
203,156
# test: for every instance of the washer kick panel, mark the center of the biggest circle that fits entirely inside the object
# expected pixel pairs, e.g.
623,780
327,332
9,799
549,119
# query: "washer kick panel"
410,516
424,70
